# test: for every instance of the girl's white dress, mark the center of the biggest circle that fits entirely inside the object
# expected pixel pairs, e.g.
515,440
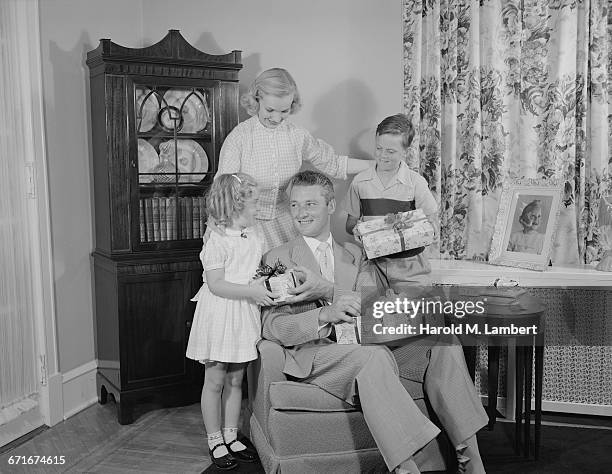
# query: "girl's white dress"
227,330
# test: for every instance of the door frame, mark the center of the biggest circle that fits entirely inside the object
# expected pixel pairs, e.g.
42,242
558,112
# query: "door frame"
49,377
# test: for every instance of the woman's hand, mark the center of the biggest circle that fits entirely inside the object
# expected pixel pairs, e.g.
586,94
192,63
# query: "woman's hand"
212,225
260,295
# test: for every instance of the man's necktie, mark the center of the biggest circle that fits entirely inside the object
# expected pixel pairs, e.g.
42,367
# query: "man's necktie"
324,256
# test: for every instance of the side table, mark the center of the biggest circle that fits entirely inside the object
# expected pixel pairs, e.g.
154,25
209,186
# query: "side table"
526,312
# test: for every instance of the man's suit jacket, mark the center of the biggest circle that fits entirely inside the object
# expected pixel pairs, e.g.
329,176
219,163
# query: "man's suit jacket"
296,326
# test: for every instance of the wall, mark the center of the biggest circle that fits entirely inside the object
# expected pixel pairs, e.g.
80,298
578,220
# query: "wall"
69,29
345,55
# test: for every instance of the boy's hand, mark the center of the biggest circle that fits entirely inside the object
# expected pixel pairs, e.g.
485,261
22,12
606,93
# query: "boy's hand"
260,295
356,234
433,220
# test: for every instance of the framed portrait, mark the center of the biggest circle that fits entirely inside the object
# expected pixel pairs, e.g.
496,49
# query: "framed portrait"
526,224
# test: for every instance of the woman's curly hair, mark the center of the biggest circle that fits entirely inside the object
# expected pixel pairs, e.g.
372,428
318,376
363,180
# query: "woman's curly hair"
277,82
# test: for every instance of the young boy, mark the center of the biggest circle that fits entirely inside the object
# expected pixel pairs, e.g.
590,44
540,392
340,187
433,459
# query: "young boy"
392,187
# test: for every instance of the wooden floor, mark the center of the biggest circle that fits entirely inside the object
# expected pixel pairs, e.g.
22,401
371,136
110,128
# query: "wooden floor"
164,441
172,441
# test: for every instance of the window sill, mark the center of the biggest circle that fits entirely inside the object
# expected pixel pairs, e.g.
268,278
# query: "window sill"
462,272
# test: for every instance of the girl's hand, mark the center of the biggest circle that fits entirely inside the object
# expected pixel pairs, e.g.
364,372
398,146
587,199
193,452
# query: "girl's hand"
260,295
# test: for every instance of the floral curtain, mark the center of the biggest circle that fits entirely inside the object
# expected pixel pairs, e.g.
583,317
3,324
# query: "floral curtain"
505,89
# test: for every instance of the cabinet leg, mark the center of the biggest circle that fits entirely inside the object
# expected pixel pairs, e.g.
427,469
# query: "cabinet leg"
103,398
125,412
493,372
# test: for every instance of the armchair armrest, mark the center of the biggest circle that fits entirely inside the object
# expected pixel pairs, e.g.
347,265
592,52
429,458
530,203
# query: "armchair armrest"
266,369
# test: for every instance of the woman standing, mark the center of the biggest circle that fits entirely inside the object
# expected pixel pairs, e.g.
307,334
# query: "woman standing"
272,149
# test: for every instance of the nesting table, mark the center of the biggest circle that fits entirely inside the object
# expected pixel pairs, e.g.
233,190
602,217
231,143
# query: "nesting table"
526,313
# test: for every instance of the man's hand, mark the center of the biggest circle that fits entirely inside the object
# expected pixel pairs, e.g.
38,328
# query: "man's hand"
341,310
313,287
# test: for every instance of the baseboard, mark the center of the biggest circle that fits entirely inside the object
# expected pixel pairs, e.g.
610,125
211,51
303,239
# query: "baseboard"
576,408
79,388
559,407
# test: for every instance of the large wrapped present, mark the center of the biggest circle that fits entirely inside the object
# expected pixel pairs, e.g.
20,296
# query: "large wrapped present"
278,279
395,233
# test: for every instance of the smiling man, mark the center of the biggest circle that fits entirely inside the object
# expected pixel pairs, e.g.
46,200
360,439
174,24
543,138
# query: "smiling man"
303,328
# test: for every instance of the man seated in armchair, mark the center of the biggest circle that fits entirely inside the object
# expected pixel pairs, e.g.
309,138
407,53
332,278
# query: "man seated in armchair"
304,328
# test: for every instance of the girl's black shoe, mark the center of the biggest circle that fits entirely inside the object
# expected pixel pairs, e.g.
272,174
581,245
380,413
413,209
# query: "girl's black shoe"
224,462
246,455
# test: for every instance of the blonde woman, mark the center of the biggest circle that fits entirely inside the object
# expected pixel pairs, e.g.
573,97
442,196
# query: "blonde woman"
271,148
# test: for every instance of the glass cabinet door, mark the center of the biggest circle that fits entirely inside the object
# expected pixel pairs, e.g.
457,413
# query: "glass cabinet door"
174,129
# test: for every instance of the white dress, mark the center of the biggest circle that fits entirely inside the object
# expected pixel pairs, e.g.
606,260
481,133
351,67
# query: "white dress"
227,330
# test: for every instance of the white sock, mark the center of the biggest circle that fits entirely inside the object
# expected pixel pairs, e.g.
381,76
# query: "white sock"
213,440
231,434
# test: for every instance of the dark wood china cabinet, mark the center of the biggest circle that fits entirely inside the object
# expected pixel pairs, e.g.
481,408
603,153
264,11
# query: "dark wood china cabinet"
159,116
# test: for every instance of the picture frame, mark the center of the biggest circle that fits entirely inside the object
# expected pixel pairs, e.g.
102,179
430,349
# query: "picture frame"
526,223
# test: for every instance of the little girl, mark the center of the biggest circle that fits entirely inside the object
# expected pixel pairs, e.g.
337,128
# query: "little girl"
227,325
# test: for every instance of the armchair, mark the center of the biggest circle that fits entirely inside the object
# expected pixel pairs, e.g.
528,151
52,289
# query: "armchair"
299,428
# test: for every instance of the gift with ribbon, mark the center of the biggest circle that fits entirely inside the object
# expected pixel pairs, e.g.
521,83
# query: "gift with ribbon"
277,278
395,233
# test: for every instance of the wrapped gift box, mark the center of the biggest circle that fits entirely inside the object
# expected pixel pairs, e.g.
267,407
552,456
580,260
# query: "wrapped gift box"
395,233
280,284
277,278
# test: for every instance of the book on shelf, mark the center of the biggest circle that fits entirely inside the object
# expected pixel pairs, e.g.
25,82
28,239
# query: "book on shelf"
196,216
149,219
163,227
188,218
181,218
202,201
155,208
171,218
143,229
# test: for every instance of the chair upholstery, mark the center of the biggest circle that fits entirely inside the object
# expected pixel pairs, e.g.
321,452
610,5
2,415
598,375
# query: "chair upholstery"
299,428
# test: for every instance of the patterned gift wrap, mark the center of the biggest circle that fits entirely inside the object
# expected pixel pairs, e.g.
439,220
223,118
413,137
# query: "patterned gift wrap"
277,278
395,233
280,284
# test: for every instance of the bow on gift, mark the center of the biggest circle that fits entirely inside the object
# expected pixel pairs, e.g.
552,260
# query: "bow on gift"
269,271
396,222
399,221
